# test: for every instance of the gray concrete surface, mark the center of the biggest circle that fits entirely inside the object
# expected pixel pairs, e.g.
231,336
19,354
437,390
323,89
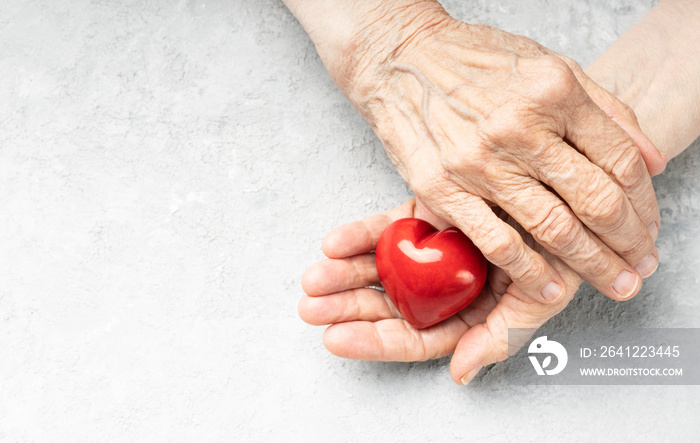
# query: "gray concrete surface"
167,171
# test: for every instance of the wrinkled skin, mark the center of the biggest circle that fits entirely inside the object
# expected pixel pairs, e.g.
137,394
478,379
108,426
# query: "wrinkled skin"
474,117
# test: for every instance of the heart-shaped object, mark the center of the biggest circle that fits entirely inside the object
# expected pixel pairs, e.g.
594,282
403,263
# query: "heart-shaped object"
430,275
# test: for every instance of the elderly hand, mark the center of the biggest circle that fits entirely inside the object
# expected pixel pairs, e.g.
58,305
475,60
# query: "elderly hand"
644,68
367,326
474,117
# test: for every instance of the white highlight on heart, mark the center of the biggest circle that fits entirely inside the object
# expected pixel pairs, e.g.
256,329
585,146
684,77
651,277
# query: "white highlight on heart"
425,255
465,277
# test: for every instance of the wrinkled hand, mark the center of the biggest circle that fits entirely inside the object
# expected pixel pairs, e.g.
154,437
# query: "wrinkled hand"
475,117
365,324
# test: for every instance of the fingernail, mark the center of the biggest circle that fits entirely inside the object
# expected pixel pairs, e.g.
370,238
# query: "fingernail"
625,284
551,291
653,230
466,378
647,266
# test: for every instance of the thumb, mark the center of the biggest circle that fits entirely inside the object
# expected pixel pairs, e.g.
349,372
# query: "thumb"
488,343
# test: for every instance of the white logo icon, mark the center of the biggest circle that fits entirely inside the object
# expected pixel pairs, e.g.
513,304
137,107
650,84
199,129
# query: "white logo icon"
543,346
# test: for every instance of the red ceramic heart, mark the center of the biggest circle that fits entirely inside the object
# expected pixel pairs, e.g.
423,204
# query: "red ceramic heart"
430,275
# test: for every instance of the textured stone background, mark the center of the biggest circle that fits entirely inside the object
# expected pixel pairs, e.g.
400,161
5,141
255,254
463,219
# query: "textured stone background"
167,171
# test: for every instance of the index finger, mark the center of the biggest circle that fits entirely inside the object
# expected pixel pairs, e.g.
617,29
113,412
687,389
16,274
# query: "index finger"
612,149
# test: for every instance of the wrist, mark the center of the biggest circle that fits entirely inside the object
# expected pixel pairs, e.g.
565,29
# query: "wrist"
357,40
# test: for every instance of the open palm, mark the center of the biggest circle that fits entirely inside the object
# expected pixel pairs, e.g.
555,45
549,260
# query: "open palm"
365,324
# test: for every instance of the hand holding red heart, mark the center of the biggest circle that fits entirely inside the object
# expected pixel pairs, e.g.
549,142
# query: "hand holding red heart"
366,325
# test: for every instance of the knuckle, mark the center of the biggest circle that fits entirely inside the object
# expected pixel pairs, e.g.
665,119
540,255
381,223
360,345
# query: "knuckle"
458,167
491,170
458,161
501,250
549,147
632,249
629,168
513,130
529,274
557,228
571,63
497,177
598,262
494,131
556,79
603,206
455,162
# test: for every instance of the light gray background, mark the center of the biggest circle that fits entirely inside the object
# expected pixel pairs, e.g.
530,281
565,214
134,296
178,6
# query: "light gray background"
168,170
